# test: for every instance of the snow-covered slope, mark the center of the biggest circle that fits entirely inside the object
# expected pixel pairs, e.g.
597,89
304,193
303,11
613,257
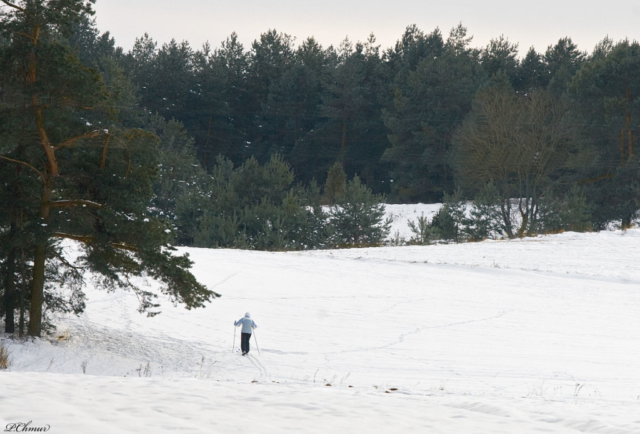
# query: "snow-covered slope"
536,335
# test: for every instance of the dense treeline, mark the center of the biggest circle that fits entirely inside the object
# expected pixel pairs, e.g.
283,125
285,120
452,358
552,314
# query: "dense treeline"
288,146
388,116
392,116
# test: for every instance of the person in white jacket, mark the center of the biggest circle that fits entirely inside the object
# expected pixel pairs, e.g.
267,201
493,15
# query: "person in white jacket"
247,328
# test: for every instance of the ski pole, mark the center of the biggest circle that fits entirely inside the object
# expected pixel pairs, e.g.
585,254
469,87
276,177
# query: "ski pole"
234,339
256,339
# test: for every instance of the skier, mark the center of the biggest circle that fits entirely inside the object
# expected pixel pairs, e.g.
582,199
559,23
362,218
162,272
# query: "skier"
247,328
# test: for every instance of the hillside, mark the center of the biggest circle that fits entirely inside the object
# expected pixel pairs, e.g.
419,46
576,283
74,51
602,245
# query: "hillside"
519,336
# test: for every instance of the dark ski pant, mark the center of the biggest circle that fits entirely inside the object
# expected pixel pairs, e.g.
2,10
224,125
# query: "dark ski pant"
246,337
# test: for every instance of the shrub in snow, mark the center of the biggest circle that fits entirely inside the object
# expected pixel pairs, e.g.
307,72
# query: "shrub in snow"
254,206
358,217
336,184
5,360
422,231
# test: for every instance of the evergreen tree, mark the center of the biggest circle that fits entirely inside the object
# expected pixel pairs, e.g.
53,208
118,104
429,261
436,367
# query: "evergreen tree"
358,217
427,110
531,73
336,184
499,56
569,213
230,130
253,206
448,223
605,96
562,61
90,178
484,217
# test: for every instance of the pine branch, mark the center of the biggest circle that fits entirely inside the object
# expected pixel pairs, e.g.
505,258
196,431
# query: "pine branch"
44,139
105,148
75,203
82,238
14,6
71,141
25,164
68,264
124,246
26,35
87,239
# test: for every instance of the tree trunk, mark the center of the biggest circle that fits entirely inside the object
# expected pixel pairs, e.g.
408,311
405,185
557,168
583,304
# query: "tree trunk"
343,148
10,264
23,292
523,225
39,263
10,284
505,209
37,290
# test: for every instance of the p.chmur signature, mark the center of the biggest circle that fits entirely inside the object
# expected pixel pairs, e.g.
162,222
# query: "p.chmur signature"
25,427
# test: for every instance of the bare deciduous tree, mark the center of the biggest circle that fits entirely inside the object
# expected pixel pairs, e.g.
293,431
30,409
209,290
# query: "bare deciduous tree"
520,142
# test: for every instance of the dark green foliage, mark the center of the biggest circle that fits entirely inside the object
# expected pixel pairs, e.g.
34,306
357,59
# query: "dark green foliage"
447,224
500,57
179,172
335,185
484,217
562,61
605,95
571,212
387,115
253,206
428,106
531,74
358,217
422,230
74,171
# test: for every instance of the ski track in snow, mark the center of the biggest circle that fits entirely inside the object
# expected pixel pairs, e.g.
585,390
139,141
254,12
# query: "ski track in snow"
534,335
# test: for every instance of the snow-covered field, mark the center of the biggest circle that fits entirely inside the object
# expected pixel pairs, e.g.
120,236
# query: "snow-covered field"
528,336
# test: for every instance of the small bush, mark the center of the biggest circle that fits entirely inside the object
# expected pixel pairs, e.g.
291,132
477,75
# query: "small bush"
422,230
5,360
571,212
448,223
336,184
358,217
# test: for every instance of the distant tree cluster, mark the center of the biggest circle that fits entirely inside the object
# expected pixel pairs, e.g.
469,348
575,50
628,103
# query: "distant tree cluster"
414,121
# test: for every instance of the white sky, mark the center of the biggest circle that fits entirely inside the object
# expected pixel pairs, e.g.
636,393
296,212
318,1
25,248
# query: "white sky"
536,23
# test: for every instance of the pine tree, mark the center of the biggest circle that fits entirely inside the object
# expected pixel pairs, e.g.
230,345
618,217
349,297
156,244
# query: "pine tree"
335,185
605,96
90,178
428,106
358,217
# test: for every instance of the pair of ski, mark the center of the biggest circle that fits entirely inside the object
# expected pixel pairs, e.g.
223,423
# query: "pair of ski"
255,338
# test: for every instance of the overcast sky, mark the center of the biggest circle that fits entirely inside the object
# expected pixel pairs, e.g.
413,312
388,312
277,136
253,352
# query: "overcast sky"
532,23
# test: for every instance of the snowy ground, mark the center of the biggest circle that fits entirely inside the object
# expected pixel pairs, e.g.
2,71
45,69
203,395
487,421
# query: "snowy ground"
536,335
401,215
